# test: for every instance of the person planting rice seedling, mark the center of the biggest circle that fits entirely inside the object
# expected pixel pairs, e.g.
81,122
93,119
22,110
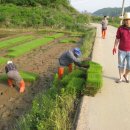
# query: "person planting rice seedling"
13,75
69,57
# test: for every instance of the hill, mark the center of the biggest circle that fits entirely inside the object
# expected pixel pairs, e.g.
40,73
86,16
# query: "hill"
110,11
39,13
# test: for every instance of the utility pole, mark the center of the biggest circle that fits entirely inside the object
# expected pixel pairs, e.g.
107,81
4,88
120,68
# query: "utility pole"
122,13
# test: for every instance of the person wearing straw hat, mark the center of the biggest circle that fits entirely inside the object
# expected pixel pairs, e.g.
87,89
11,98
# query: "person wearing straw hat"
13,75
69,57
122,41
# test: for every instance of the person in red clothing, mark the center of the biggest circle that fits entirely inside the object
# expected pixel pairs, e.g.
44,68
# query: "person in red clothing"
13,75
123,42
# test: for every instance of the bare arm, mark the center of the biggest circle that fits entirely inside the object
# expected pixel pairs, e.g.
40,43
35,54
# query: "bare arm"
116,43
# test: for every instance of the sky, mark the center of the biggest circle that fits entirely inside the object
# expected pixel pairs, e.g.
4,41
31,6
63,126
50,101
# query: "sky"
94,5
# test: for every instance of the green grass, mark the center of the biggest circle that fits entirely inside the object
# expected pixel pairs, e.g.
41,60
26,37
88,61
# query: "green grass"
68,41
14,41
24,48
27,76
94,79
88,42
52,109
75,73
3,60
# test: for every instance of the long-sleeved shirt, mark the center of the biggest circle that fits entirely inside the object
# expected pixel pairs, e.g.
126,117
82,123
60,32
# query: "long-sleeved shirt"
68,57
10,67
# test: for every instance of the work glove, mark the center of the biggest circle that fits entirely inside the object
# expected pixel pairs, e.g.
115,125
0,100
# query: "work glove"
114,51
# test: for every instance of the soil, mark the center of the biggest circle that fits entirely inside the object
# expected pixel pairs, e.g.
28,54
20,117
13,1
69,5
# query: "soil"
43,61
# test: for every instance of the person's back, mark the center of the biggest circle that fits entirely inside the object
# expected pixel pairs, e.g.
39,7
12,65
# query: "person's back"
104,24
13,75
10,67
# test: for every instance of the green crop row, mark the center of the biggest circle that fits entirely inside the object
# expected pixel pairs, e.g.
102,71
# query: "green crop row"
52,110
24,48
14,41
94,79
27,76
3,60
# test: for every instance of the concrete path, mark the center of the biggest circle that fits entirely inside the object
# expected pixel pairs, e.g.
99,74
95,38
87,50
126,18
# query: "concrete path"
110,108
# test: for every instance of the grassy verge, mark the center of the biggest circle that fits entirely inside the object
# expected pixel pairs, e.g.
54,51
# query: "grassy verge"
14,41
88,41
53,109
24,48
94,79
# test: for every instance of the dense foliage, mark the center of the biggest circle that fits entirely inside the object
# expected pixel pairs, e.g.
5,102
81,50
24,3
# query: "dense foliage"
35,2
52,13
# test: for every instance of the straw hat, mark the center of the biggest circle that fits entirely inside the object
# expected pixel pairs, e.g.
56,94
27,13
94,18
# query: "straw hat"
126,15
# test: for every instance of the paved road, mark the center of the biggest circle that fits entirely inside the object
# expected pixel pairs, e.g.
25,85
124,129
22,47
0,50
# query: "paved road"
110,108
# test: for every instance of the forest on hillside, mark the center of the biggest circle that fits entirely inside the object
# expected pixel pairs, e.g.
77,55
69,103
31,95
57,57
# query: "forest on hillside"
34,2
110,11
40,13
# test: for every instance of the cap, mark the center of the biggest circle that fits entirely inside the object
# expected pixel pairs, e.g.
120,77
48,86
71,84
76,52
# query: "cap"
9,62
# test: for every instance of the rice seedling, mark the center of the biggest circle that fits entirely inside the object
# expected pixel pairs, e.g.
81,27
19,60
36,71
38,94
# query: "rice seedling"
27,76
14,41
3,60
75,73
94,79
24,48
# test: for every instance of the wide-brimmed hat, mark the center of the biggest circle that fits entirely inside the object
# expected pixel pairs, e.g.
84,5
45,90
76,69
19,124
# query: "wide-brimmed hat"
126,15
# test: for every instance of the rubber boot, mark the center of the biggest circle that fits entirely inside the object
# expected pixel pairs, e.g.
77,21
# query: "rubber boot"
60,72
10,83
70,67
22,86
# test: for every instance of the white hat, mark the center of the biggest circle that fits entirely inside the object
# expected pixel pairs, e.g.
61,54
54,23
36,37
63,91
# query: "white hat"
8,62
127,15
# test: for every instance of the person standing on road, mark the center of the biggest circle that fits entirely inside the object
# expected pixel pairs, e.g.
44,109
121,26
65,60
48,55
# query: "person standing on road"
123,42
13,75
69,57
104,24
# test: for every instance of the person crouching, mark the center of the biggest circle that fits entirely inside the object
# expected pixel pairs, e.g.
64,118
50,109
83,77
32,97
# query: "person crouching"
14,76
67,58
